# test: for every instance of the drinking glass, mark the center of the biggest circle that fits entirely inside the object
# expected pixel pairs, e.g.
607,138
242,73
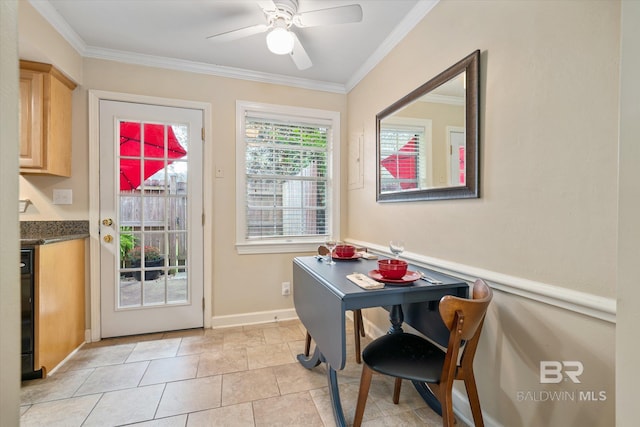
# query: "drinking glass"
396,247
331,245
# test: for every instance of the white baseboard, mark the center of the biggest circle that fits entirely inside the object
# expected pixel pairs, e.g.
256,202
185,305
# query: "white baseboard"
253,318
63,361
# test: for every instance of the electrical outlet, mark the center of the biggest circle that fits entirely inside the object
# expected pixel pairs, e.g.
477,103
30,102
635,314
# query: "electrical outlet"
286,288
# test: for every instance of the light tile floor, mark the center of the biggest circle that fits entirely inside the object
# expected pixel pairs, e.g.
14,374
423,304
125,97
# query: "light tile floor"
244,376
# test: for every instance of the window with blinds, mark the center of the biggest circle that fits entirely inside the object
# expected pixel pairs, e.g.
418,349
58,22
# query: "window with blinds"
286,177
400,157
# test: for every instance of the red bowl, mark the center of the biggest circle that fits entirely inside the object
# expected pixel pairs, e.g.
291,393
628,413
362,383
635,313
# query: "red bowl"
392,268
345,251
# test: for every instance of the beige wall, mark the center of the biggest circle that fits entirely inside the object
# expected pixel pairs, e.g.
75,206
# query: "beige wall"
549,79
627,345
38,41
241,283
546,219
262,275
9,254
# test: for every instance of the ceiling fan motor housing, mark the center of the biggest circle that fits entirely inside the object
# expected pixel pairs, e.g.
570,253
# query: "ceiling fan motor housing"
288,6
286,10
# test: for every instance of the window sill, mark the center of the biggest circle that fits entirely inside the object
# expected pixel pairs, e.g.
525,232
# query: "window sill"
276,247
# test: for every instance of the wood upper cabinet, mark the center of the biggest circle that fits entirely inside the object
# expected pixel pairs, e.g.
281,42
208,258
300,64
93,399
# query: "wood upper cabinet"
45,120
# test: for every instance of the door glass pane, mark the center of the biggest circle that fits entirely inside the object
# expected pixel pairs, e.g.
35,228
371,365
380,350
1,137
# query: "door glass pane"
154,209
153,214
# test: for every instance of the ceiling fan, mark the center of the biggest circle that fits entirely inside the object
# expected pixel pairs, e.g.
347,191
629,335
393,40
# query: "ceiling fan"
280,16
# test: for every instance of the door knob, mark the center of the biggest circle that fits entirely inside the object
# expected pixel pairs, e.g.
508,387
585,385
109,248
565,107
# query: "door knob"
108,238
107,222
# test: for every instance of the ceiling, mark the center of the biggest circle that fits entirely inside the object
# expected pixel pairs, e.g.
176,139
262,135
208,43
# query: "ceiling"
173,34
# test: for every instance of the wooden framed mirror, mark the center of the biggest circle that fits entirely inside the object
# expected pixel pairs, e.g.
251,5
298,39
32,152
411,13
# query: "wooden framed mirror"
427,142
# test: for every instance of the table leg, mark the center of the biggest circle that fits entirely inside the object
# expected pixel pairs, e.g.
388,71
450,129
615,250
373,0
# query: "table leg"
428,396
396,317
332,379
334,393
312,361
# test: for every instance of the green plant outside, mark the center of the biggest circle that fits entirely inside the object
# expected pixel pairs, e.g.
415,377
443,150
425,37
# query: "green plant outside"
151,254
127,242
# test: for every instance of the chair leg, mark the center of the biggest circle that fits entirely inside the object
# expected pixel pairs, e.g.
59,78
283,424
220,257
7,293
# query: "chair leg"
307,344
363,393
474,401
396,390
446,401
357,324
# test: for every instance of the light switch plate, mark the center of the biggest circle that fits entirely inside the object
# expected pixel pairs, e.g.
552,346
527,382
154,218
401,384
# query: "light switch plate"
62,196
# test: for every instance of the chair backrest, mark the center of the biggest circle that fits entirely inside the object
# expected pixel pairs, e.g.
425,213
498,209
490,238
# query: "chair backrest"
464,318
472,310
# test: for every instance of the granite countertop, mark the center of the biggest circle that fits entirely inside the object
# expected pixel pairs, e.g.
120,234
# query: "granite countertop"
45,232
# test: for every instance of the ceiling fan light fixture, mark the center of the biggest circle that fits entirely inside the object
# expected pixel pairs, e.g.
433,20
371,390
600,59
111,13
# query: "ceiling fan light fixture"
280,41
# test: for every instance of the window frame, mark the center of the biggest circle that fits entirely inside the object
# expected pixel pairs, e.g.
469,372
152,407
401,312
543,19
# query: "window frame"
287,244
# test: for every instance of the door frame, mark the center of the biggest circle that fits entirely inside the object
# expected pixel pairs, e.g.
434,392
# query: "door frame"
450,171
95,96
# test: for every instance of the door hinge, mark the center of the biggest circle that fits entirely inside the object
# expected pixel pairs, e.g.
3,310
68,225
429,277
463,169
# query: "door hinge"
203,304
203,219
202,131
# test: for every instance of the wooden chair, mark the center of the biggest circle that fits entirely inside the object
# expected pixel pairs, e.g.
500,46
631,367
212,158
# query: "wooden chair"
407,356
358,324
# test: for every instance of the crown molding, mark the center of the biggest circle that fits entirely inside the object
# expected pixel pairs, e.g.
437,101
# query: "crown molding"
215,70
51,15
419,11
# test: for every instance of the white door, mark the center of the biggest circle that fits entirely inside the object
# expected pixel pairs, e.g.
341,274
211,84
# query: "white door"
457,168
151,266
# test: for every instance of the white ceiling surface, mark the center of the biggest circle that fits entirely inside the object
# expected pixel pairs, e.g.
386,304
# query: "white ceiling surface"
173,34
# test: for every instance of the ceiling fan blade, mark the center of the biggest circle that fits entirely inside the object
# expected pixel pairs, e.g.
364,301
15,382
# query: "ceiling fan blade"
239,33
299,55
267,5
329,16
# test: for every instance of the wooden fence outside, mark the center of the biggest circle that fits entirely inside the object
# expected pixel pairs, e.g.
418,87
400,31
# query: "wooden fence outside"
162,211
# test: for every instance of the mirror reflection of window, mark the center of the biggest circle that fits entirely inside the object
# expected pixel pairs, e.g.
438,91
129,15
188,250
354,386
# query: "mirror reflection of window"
407,160
405,154
427,140
400,158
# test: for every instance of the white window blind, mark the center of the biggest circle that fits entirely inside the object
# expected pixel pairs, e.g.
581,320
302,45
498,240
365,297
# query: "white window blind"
286,177
400,157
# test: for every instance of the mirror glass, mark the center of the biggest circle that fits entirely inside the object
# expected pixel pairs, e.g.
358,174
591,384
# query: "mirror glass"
427,142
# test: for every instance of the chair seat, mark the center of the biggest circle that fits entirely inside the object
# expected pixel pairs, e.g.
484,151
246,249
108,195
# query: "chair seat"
406,356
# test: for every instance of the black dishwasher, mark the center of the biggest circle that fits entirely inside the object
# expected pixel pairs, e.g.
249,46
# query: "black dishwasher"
27,257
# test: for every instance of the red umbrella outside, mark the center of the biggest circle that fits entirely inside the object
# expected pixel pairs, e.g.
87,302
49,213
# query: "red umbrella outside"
403,166
153,151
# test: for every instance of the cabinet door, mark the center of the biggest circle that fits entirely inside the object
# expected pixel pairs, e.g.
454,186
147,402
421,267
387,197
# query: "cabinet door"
31,115
59,301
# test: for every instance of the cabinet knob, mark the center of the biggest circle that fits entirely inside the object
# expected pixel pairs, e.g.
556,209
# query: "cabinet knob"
108,238
107,222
